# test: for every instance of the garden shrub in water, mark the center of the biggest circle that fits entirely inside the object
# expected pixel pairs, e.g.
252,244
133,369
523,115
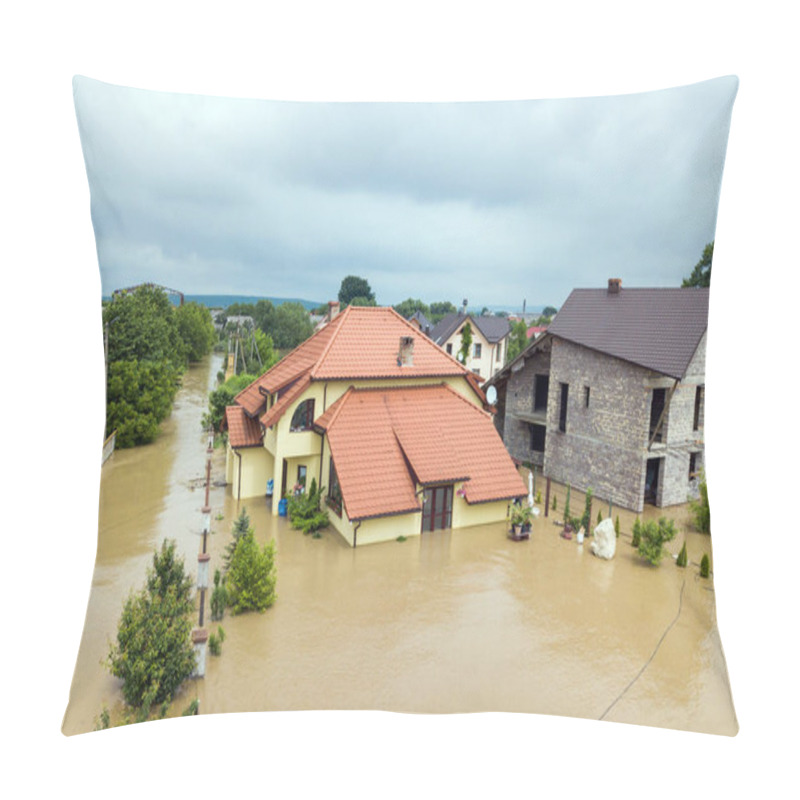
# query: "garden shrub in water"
637,533
682,557
653,537
704,566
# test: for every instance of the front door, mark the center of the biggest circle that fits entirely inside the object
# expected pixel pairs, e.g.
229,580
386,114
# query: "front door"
437,509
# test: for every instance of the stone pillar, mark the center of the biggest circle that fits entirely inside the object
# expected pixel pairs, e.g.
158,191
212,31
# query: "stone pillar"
200,643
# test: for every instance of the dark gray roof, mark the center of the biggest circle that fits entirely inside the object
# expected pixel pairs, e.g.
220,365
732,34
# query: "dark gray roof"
656,328
424,322
492,328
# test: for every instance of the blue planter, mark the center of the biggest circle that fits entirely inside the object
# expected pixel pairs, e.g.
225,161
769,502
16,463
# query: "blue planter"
282,505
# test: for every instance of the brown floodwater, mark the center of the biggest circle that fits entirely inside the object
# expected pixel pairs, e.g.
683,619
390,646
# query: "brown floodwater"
448,622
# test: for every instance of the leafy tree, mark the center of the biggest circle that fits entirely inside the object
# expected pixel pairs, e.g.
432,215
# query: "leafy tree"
654,535
221,397
701,274
549,311
440,310
410,306
153,653
139,396
352,286
291,326
251,577
196,329
363,301
517,340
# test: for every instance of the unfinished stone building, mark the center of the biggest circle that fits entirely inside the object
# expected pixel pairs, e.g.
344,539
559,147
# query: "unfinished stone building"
612,396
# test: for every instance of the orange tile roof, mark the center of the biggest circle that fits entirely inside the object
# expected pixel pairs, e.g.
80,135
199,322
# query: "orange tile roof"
243,431
385,441
361,342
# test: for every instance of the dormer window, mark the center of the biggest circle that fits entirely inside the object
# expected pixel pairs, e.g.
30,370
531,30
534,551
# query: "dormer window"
303,417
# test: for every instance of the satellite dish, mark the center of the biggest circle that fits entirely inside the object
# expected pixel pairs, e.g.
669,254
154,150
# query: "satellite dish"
461,357
491,395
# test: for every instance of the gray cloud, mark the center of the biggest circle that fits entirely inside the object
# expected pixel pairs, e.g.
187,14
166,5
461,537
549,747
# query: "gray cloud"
493,201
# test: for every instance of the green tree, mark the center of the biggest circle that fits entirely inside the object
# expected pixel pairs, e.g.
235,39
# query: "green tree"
240,527
153,653
440,310
654,535
517,340
222,397
352,286
701,274
251,578
549,311
291,326
196,329
139,396
410,306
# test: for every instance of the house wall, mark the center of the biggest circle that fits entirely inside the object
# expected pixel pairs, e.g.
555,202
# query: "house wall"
681,439
489,361
604,444
519,400
256,469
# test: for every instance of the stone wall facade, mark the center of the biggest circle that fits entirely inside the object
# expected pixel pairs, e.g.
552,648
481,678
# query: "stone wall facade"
606,441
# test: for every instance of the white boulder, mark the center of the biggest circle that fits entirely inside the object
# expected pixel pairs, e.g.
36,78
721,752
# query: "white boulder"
605,539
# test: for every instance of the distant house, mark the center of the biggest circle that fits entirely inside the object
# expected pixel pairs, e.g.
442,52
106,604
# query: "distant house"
536,331
421,322
612,395
397,432
489,340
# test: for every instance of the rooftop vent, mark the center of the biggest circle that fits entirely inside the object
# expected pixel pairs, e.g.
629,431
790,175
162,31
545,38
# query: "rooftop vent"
614,285
405,356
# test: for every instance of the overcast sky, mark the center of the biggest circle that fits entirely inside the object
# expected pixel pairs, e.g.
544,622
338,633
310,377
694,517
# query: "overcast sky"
495,202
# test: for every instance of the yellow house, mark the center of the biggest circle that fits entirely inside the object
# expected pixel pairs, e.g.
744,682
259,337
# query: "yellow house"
397,431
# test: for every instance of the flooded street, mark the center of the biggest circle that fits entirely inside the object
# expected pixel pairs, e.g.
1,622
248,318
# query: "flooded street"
446,622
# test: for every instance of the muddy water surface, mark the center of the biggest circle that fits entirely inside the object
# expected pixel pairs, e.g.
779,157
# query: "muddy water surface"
448,622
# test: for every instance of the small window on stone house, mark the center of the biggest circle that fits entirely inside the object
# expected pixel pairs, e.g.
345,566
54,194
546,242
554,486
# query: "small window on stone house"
538,433
586,396
692,466
698,407
449,348
562,413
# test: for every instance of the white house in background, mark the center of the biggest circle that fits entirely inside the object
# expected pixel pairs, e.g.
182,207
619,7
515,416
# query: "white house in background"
489,340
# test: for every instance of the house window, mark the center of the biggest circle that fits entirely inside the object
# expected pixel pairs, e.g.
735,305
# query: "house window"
498,352
537,438
586,396
449,348
541,386
656,410
698,407
692,465
301,475
476,371
334,498
562,413
437,508
303,417
476,350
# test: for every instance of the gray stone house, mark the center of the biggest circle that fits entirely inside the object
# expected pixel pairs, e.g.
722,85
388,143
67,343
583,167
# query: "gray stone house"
612,396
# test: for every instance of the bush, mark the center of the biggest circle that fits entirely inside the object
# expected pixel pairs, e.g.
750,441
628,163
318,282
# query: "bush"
219,597
705,566
653,537
637,533
304,510
682,557
701,512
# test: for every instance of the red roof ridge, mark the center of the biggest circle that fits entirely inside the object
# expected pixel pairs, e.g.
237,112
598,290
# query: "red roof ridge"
333,336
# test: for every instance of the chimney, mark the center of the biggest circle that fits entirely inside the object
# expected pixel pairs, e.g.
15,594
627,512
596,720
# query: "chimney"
463,309
333,309
614,285
405,356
